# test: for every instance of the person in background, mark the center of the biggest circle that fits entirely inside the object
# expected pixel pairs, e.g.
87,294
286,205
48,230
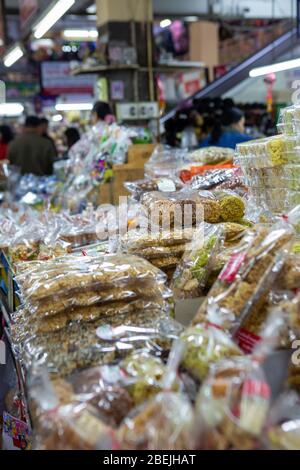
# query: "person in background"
102,113
44,132
71,136
31,152
6,136
228,131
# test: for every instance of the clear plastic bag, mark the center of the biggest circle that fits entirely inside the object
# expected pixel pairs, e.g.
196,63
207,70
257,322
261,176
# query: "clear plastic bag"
283,426
212,155
234,401
165,162
245,281
139,187
191,275
164,423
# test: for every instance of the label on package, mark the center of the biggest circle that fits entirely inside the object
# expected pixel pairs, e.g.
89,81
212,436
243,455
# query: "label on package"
15,434
246,340
231,269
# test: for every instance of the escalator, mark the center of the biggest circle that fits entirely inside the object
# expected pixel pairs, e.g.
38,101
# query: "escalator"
269,54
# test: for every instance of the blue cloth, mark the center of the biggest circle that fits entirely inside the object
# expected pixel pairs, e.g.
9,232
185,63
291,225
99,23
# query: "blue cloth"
228,139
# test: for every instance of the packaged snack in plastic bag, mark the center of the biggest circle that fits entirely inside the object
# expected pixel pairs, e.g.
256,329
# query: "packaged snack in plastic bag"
139,187
165,162
69,425
231,205
191,275
249,274
283,426
212,155
234,401
164,423
169,210
205,344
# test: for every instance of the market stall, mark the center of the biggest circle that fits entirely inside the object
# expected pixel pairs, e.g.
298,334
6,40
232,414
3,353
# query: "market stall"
155,323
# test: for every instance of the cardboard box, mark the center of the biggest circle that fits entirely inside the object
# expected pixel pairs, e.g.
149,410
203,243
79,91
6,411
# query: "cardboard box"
139,154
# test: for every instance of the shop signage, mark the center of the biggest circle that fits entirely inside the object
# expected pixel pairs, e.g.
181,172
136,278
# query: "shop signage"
56,79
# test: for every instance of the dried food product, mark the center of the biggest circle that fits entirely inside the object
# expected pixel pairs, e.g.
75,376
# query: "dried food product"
204,346
95,295
233,231
212,155
283,427
290,276
232,206
139,187
166,263
139,240
211,209
212,179
192,274
247,277
164,423
160,251
169,210
80,273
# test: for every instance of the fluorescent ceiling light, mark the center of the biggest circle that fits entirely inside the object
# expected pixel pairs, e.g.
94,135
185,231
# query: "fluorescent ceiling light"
13,56
74,107
280,67
165,23
11,109
80,33
57,118
50,18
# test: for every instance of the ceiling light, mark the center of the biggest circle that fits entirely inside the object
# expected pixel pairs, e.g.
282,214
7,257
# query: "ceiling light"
11,109
80,34
165,23
57,118
13,55
49,19
273,68
74,107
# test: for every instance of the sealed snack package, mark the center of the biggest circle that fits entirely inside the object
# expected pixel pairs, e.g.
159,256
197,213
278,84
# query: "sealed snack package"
81,272
192,273
80,346
232,206
169,210
139,187
249,274
205,345
234,401
212,155
165,162
283,426
64,424
164,423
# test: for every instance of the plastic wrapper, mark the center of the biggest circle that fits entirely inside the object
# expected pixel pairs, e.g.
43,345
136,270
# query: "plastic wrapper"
78,273
291,308
62,423
268,152
139,187
169,210
139,240
247,277
212,155
232,206
234,401
164,423
191,275
205,345
290,276
165,162
286,121
212,179
277,200
283,427
88,345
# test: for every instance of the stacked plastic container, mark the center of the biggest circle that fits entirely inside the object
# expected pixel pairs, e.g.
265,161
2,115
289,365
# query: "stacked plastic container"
272,165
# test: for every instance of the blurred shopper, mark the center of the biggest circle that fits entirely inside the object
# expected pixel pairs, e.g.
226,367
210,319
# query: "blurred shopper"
102,113
31,152
44,132
228,131
71,137
6,136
